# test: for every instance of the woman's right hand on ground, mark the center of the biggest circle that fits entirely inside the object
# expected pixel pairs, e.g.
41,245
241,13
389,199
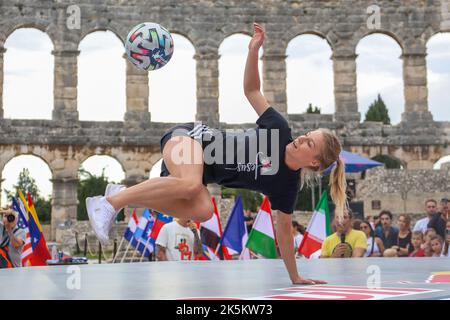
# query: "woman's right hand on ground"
258,37
304,281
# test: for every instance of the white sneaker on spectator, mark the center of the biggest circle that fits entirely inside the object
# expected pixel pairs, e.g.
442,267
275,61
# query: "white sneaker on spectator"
101,214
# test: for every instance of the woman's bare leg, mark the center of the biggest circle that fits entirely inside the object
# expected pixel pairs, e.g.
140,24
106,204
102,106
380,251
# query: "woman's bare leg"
181,194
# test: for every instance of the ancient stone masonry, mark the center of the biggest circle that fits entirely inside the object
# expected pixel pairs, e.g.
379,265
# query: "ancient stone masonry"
64,142
402,190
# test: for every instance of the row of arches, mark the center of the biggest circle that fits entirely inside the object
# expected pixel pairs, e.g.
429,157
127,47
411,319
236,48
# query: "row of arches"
113,170
28,77
40,171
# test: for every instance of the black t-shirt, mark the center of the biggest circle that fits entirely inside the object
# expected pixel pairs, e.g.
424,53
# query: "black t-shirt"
405,242
254,160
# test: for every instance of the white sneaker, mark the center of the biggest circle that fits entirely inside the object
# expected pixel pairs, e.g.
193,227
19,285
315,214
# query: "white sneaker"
112,189
101,214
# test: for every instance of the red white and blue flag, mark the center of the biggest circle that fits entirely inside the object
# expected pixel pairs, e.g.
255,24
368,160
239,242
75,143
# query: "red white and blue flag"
132,226
161,219
22,223
141,240
40,251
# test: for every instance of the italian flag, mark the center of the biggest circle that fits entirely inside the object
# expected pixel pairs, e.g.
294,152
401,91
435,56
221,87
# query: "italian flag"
262,236
318,229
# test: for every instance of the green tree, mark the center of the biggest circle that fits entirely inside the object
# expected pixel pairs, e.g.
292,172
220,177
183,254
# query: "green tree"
27,184
389,162
251,200
313,110
304,199
91,185
378,111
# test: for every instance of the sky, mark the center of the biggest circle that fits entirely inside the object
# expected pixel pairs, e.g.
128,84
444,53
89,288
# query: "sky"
28,68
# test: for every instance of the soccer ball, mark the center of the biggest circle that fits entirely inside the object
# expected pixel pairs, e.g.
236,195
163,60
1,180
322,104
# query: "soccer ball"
149,46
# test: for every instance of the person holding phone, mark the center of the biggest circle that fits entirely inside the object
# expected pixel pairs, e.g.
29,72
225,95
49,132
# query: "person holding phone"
12,238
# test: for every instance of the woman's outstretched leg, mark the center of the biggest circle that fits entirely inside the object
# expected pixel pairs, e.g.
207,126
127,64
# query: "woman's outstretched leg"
181,194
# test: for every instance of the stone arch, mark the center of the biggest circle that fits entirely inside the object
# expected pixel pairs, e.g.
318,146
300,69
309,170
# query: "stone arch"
185,34
372,81
294,33
230,33
438,79
33,23
90,28
181,73
13,152
363,32
104,159
37,168
96,83
86,154
308,79
430,32
28,55
233,52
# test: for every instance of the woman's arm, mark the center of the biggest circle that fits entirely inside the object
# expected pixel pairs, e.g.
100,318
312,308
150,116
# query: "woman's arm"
286,245
380,245
252,83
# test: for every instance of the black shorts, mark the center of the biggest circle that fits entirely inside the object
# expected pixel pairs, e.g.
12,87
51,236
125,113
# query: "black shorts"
189,129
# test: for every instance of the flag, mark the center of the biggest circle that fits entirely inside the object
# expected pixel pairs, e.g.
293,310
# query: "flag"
132,226
262,236
235,233
38,243
27,250
160,220
141,240
318,229
210,235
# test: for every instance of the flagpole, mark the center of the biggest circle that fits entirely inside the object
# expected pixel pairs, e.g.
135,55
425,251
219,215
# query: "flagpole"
126,250
118,250
217,248
145,249
136,249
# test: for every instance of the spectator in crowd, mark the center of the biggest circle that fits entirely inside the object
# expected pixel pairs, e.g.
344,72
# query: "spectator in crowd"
375,246
345,242
376,222
12,238
439,220
298,236
430,208
404,246
178,240
356,224
416,242
429,233
446,251
387,233
437,243
248,217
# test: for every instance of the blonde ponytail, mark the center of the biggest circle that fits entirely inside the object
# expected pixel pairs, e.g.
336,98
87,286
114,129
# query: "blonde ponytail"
338,184
338,187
